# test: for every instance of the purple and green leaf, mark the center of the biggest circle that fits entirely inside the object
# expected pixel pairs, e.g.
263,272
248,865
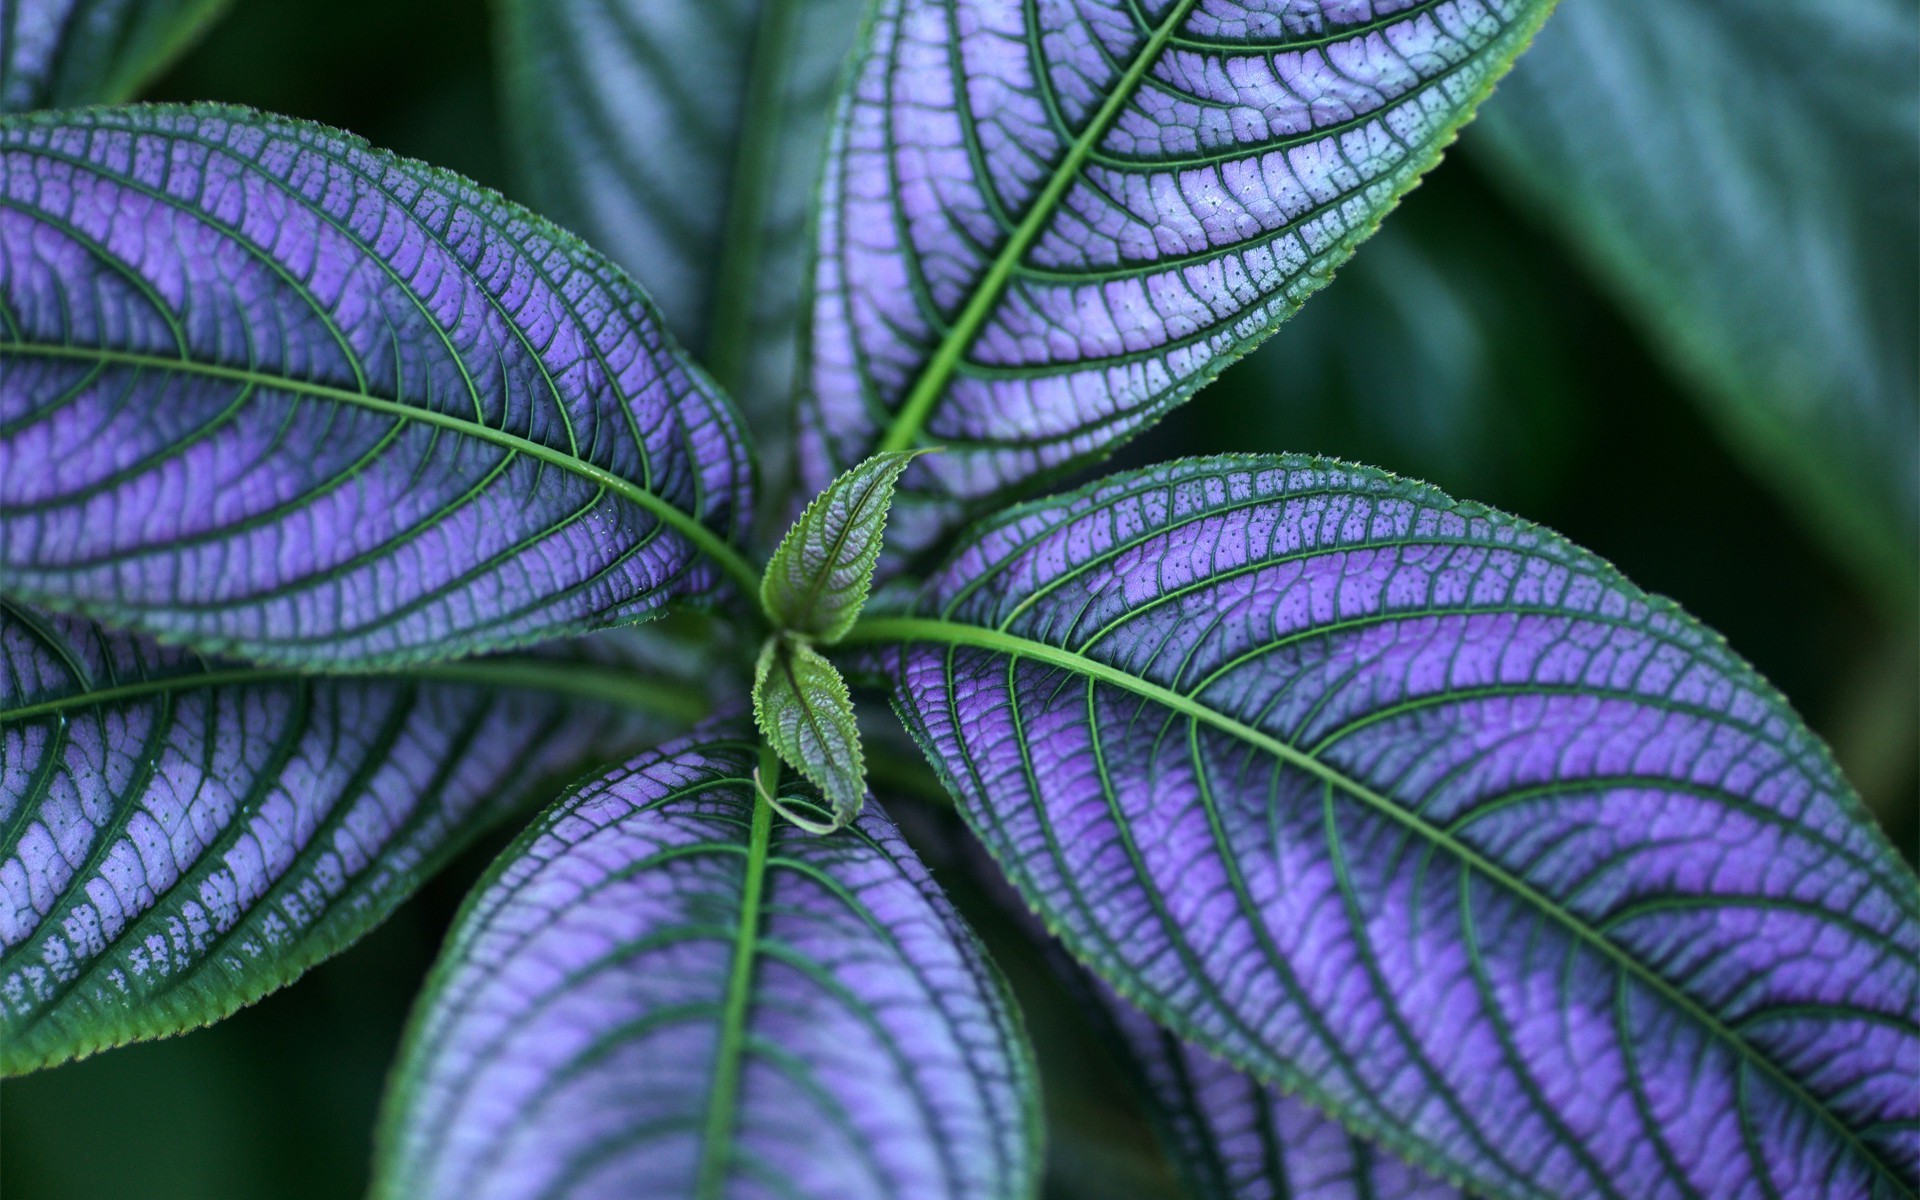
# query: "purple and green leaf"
660,991
68,53
1044,225
179,837
1430,816
683,138
266,391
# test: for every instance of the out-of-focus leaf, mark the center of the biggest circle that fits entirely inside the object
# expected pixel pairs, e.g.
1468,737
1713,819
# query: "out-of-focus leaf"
68,53
266,391
1044,225
659,991
180,837
683,137
1743,173
1418,810
805,712
822,570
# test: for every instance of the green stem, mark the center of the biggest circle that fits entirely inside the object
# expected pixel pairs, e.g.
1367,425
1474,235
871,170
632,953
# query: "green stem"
685,524
913,414
716,1154
743,231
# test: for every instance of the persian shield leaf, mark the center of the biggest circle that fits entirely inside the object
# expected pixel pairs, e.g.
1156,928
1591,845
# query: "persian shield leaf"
683,137
179,837
266,391
821,571
1764,236
66,53
1043,225
1423,813
659,991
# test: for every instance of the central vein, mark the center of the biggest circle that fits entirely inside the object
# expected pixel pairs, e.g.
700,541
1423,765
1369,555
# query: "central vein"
688,526
716,1153
912,417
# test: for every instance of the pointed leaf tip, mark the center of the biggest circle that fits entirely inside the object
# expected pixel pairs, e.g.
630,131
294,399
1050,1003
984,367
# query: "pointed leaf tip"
803,709
820,575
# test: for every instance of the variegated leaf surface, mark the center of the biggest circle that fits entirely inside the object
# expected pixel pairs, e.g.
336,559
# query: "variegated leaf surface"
1422,812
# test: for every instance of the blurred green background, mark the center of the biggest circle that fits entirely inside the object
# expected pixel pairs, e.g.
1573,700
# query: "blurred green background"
1537,396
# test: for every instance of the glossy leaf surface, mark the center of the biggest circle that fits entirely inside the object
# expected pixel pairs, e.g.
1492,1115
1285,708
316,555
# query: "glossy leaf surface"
683,138
181,837
1762,233
264,390
1043,225
66,53
802,707
1231,1138
660,992
822,569
1425,813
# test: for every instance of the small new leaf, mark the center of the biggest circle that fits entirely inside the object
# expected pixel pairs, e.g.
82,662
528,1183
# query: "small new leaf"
820,575
801,705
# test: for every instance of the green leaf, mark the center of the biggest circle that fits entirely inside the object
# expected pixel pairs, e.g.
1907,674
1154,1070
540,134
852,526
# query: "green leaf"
802,707
1742,174
821,572
69,53
684,139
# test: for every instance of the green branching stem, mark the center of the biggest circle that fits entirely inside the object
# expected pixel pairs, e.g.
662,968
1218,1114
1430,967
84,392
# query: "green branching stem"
685,524
913,414
716,1154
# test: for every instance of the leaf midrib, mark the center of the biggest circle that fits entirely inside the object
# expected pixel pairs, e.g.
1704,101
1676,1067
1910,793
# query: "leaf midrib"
716,1147
683,523
907,424
902,630
587,681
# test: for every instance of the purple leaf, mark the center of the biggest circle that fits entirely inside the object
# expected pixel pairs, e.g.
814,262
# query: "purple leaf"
266,391
66,53
660,992
1043,225
1422,812
179,838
